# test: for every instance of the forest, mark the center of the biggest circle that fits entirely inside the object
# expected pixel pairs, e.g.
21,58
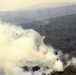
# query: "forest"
60,32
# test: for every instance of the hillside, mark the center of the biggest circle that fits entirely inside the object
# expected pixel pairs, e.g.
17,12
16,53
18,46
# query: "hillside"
36,14
59,31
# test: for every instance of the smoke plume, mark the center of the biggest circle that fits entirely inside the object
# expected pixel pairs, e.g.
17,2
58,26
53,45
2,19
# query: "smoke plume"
23,49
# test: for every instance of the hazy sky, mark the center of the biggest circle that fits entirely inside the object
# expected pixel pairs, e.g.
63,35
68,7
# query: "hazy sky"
16,4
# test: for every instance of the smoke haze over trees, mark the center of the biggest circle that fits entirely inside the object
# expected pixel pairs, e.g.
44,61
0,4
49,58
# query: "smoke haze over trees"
60,31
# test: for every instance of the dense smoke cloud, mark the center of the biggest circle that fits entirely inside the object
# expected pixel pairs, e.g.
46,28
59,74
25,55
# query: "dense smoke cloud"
25,47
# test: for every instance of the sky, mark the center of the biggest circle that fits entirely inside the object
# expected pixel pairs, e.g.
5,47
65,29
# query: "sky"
6,5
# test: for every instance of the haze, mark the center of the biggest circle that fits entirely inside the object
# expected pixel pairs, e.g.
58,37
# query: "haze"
6,5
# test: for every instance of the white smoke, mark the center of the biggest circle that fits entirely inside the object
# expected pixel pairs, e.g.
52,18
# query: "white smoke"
25,47
67,61
72,62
